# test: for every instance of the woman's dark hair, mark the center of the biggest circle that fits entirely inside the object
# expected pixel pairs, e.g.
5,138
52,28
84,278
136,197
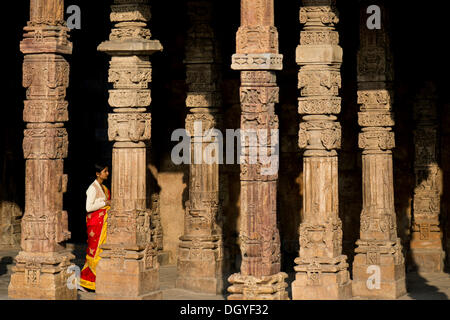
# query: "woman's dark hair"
99,167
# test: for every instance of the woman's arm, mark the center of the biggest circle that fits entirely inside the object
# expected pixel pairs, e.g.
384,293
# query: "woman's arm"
93,204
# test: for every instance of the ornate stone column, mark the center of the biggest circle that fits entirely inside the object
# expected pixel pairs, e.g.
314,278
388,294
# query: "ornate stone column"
378,268
199,265
258,59
426,241
321,267
41,267
129,267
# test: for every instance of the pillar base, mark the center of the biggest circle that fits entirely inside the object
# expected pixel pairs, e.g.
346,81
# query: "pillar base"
427,260
322,280
199,266
379,272
126,274
42,276
387,290
263,288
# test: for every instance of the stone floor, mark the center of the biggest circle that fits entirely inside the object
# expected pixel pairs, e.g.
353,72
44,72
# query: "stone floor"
420,286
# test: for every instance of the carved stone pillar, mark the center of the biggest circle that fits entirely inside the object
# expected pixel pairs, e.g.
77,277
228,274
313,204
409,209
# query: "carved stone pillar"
199,265
378,268
426,240
41,267
322,269
129,266
258,59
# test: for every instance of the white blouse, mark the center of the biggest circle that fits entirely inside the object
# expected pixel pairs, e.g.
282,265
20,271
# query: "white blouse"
96,198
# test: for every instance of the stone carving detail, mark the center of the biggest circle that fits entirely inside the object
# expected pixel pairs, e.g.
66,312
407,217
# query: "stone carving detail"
319,106
252,61
199,265
133,127
48,143
130,251
156,225
426,241
40,271
257,38
378,244
10,219
322,270
129,98
257,58
319,134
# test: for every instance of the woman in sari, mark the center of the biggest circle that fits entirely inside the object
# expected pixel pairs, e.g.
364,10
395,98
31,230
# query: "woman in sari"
97,206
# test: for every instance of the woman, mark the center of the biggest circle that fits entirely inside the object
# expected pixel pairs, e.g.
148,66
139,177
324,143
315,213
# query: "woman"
97,206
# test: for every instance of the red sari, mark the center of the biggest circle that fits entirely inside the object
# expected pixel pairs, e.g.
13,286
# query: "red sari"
96,230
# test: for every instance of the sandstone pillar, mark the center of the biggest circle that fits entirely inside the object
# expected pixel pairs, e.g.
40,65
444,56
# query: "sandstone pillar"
41,267
129,267
199,265
258,59
322,269
378,268
426,241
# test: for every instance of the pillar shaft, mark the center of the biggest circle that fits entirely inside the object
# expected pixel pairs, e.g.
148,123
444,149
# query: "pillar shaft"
257,57
129,268
378,268
41,266
321,267
427,254
199,266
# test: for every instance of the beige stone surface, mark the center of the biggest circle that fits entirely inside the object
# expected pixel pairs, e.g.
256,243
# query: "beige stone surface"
172,210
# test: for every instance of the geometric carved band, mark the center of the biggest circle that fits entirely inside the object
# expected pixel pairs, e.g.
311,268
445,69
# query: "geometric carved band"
319,105
262,61
376,119
256,96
